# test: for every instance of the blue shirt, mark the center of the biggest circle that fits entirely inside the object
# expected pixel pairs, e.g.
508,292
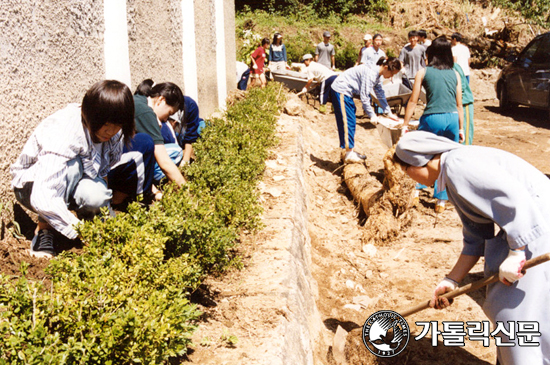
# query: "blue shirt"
277,53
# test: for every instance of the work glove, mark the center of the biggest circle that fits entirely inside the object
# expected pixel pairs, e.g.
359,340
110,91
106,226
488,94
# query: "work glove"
374,119
304,90
446,285
404,130
461,135
510,269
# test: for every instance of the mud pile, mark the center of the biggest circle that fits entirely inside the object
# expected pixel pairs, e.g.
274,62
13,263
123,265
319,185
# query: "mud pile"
386,205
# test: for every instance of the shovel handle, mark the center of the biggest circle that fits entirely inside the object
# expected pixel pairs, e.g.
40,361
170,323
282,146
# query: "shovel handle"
475,285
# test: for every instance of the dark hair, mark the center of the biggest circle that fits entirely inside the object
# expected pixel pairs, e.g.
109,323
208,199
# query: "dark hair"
457,37
170,91
413,33
275,37
109,101
144,87
422,33
439,54
376,36
392,63
265,41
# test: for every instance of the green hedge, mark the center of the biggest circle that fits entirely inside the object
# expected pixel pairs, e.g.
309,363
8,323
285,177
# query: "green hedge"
125,298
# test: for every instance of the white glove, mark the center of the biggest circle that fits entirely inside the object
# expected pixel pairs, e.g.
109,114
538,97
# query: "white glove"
374,119
304,90
461,135
510,269
446,285
404,130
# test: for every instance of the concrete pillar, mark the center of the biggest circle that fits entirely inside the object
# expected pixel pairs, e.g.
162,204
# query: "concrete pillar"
230,45
221,71
206,56
117,57
189,56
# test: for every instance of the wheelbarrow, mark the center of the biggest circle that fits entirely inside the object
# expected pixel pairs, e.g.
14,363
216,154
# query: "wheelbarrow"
397,95
296,81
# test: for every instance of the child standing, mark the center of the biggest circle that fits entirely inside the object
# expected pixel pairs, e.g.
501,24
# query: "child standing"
258,62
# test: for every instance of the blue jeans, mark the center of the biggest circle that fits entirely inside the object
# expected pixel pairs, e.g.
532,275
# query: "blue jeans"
441,124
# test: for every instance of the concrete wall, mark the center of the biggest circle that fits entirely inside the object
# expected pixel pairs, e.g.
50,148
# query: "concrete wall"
52,51
154,40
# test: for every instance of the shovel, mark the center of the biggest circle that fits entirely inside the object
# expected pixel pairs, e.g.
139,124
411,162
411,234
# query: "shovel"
475,285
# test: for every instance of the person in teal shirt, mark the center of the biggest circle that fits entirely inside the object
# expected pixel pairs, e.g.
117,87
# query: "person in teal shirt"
467,105
443,114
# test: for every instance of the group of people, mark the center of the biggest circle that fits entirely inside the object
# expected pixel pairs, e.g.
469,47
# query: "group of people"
487,186
103,152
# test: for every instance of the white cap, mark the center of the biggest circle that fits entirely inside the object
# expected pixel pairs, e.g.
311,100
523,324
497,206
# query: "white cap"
307,56
367,37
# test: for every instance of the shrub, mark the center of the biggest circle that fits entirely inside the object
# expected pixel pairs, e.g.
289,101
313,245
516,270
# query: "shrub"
125,298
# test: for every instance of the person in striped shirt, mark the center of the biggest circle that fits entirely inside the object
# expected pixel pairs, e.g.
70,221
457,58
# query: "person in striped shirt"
65,162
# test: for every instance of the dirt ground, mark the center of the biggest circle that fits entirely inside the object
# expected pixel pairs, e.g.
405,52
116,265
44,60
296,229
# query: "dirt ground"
353,282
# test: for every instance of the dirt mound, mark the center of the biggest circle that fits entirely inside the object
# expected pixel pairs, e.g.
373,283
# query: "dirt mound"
14,252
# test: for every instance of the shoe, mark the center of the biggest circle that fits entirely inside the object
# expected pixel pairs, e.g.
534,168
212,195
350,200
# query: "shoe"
322,109
354,157
42,245
440,206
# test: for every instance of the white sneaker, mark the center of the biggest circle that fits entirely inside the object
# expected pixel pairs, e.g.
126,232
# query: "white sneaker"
354,157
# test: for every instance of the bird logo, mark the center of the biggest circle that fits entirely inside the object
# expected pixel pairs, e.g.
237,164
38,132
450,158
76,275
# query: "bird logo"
385,333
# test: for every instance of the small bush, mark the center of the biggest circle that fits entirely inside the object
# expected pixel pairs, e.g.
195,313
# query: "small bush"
125,298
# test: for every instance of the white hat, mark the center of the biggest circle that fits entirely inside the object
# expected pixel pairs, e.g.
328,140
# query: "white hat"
307,56
367,37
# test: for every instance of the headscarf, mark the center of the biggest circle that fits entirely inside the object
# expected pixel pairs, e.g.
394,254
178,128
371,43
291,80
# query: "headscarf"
419,147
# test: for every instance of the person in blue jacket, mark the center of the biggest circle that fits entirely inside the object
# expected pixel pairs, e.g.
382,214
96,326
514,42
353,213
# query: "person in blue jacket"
277,54
184,128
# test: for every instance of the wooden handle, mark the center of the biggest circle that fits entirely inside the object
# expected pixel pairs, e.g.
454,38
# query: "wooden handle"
475,285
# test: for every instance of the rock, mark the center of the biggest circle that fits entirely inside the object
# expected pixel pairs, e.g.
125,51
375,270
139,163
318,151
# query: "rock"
339,345
370,249
293,107
274,192
363,301
356,307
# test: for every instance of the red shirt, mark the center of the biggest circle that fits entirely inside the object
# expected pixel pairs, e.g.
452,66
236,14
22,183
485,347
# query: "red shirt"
259,57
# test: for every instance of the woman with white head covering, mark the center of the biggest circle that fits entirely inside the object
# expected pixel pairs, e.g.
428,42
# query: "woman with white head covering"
488,186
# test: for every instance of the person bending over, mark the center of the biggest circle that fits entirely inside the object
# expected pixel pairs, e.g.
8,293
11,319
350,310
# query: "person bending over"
65,163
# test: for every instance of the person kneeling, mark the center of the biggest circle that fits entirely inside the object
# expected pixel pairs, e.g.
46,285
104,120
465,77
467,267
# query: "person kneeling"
65,162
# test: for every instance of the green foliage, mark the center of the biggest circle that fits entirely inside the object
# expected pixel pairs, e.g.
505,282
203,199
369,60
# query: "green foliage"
229,339
322,8
125,298
346,55
536,10
250,41
302,29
